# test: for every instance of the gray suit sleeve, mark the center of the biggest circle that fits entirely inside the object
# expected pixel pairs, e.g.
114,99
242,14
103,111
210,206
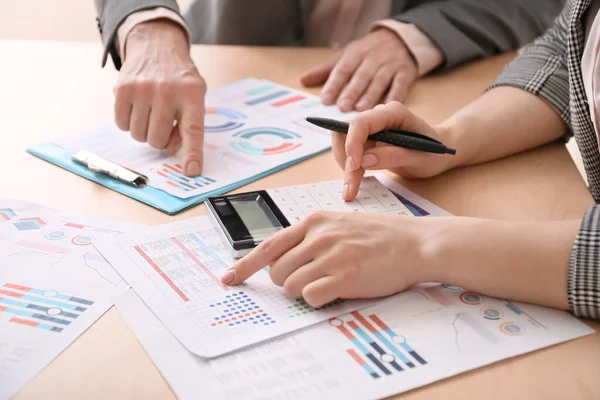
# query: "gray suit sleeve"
112,13
468,29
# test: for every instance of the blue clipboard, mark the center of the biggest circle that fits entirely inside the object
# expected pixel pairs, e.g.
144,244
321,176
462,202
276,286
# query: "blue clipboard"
153,197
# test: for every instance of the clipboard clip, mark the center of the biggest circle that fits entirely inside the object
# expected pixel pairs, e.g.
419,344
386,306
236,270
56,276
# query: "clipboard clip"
101,165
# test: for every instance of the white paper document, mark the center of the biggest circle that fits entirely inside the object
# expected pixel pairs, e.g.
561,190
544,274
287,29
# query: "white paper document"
409,340
53,285
252,127
176,270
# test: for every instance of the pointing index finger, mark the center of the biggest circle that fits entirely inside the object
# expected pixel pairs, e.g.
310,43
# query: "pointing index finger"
264,254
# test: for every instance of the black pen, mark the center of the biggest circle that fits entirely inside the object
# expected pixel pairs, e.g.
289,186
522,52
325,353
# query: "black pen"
395,137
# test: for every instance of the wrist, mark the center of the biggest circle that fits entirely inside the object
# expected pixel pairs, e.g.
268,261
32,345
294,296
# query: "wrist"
453,135
444,247
158,31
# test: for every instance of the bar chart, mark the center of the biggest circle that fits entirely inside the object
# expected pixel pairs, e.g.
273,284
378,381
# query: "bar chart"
377,348
173,175
43,309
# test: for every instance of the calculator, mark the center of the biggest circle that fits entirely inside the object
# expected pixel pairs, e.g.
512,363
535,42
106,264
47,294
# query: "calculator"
244,220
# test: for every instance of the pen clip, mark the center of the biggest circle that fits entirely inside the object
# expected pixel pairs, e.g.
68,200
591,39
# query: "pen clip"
101,165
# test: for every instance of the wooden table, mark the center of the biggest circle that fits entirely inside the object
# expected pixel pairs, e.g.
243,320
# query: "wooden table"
50,89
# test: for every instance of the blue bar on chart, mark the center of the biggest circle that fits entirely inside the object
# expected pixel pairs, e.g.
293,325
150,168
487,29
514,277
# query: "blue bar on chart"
268,97
261,89
339,324
514,308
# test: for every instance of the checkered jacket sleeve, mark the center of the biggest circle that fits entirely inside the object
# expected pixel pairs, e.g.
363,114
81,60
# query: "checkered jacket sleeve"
542,70
583,287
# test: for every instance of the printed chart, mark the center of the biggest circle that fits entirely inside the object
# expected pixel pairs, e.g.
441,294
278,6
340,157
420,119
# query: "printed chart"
403,343
176,269
382,351
53,285
39,308
252,127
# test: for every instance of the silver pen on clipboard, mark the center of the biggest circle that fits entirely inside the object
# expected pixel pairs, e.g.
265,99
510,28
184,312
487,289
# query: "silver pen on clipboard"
101,165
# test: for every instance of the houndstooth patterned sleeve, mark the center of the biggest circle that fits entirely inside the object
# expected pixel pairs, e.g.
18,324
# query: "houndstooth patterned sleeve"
542,68
583,288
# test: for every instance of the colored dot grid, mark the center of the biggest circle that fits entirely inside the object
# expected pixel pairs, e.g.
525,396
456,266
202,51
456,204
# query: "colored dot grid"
301,308
239,309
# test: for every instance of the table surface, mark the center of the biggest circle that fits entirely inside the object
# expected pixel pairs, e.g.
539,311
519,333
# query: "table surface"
49,89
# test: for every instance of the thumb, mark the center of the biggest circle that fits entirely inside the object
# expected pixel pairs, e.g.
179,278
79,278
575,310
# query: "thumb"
191,128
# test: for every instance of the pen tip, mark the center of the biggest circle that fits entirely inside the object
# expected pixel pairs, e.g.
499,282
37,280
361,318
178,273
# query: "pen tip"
450,151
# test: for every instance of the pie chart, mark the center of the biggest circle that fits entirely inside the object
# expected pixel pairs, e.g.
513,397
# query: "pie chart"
265,141
220,119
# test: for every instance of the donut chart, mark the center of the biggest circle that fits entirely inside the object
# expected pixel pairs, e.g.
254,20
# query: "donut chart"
265,141
220,119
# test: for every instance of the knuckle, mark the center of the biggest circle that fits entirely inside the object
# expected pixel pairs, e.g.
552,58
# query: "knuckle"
315,218
194,86
324,240
193,128
125,89
345,68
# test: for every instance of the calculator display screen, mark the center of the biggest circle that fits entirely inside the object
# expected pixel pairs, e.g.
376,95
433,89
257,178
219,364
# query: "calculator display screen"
256,216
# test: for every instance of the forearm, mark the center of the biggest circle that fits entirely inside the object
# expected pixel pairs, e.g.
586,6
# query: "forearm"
501,122
525,261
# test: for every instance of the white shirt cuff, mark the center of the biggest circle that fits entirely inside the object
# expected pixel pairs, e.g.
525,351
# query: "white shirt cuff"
425,52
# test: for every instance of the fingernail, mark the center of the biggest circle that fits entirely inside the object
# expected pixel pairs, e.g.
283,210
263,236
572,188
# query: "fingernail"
192,168
346,191
327,98
350,164
228,277
369,160
345,104
362,105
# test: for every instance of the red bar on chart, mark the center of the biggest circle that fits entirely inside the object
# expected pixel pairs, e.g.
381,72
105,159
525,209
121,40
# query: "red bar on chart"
74,225
289,100
363,321
161,273
18,287
172,168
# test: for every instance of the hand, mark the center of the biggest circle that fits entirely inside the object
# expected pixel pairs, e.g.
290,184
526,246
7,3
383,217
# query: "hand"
355,154
375,65
340,255
159,96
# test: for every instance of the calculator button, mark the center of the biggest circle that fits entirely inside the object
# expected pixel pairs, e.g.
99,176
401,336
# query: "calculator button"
394,205
290,209
292,219
309,207
374,207
365,197
334,207
401,212
353,206
299,194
